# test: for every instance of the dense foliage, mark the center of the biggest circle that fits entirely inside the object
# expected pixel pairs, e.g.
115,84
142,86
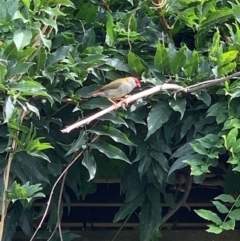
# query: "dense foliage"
53,53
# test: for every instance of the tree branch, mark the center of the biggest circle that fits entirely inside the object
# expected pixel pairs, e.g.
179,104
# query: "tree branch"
180,203
52,191
145,93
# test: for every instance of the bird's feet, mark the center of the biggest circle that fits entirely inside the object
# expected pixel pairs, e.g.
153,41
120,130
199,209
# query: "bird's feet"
124,102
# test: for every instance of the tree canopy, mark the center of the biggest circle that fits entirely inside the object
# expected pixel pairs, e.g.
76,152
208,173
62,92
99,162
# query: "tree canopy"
53,53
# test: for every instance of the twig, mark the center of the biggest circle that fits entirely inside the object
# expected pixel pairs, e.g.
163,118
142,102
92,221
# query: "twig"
122,226
209,83
51,194
106,6
58,223
159,4
180,203
6,175
145,93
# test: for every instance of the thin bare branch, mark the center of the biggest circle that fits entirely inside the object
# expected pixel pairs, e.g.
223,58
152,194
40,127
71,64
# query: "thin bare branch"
119,104
6,176
145,93
180,203
58,223
51,194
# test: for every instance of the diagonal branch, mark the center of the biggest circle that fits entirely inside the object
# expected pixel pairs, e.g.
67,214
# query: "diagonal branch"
181,202
145,93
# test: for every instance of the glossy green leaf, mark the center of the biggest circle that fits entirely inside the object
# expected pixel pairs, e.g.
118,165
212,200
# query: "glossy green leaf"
192,64
90,163
235,214
8,109
136,63
227,57
228,225
3,72
114,118
220,207
20,68
58,55
78,144
158,115
87,11
109,150
178,105
40,155
214,229
231,138
113,133
161,58
148,222
209,215
111,34
161,159
144,163
178,61
128,208
53,11
89,38
22,38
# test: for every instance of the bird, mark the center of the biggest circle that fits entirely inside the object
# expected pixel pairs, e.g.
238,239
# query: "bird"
117,89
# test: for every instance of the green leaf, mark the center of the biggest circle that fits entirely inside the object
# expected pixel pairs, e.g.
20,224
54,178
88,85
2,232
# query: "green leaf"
214,229
204,96
215,49
161,159
209,215
136,63
33,109
159,114
19,68
228,68
156,209
161,58
114,118
235,214
148,222
22,38
178,105
89,38
228,225
3,72
40,155
113,133
78,144
109,150
144,164
199,148
47,22
231,138
220,207
111,36
227,57
53,11
9,108
29,88
87,11
192,64
128,208
58,55
236,11
90,163
46,42
178,61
